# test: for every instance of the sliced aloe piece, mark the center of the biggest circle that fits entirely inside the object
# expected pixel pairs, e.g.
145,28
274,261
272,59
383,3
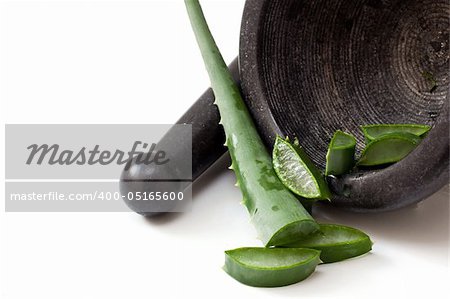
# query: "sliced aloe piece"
341,154
388,148
270,267
372,132
336,242
297,172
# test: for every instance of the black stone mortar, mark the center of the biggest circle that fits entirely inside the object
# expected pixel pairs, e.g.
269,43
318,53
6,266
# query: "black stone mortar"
309,68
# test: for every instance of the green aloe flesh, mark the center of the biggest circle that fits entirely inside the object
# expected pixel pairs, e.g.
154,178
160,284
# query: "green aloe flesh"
276,213
341,154
336,242
270,267
389,148
372,132
297,171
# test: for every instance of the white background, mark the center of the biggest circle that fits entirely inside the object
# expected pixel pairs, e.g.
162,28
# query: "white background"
137,62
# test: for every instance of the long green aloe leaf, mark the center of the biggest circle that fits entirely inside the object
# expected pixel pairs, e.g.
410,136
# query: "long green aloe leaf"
276,214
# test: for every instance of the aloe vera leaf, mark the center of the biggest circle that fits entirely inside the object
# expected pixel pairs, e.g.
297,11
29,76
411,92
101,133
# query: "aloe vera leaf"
270,267
389,148
336,242
372,132
297,172
277,215
341,154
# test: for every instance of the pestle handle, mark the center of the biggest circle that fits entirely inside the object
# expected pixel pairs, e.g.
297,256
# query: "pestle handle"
208,140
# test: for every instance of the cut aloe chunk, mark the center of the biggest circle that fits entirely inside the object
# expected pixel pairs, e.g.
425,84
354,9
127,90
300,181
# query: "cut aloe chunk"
372,132
388,148
270,267
297,172
336,242
341,154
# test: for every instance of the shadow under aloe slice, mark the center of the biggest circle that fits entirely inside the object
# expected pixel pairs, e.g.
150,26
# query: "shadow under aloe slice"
270,267
336,242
